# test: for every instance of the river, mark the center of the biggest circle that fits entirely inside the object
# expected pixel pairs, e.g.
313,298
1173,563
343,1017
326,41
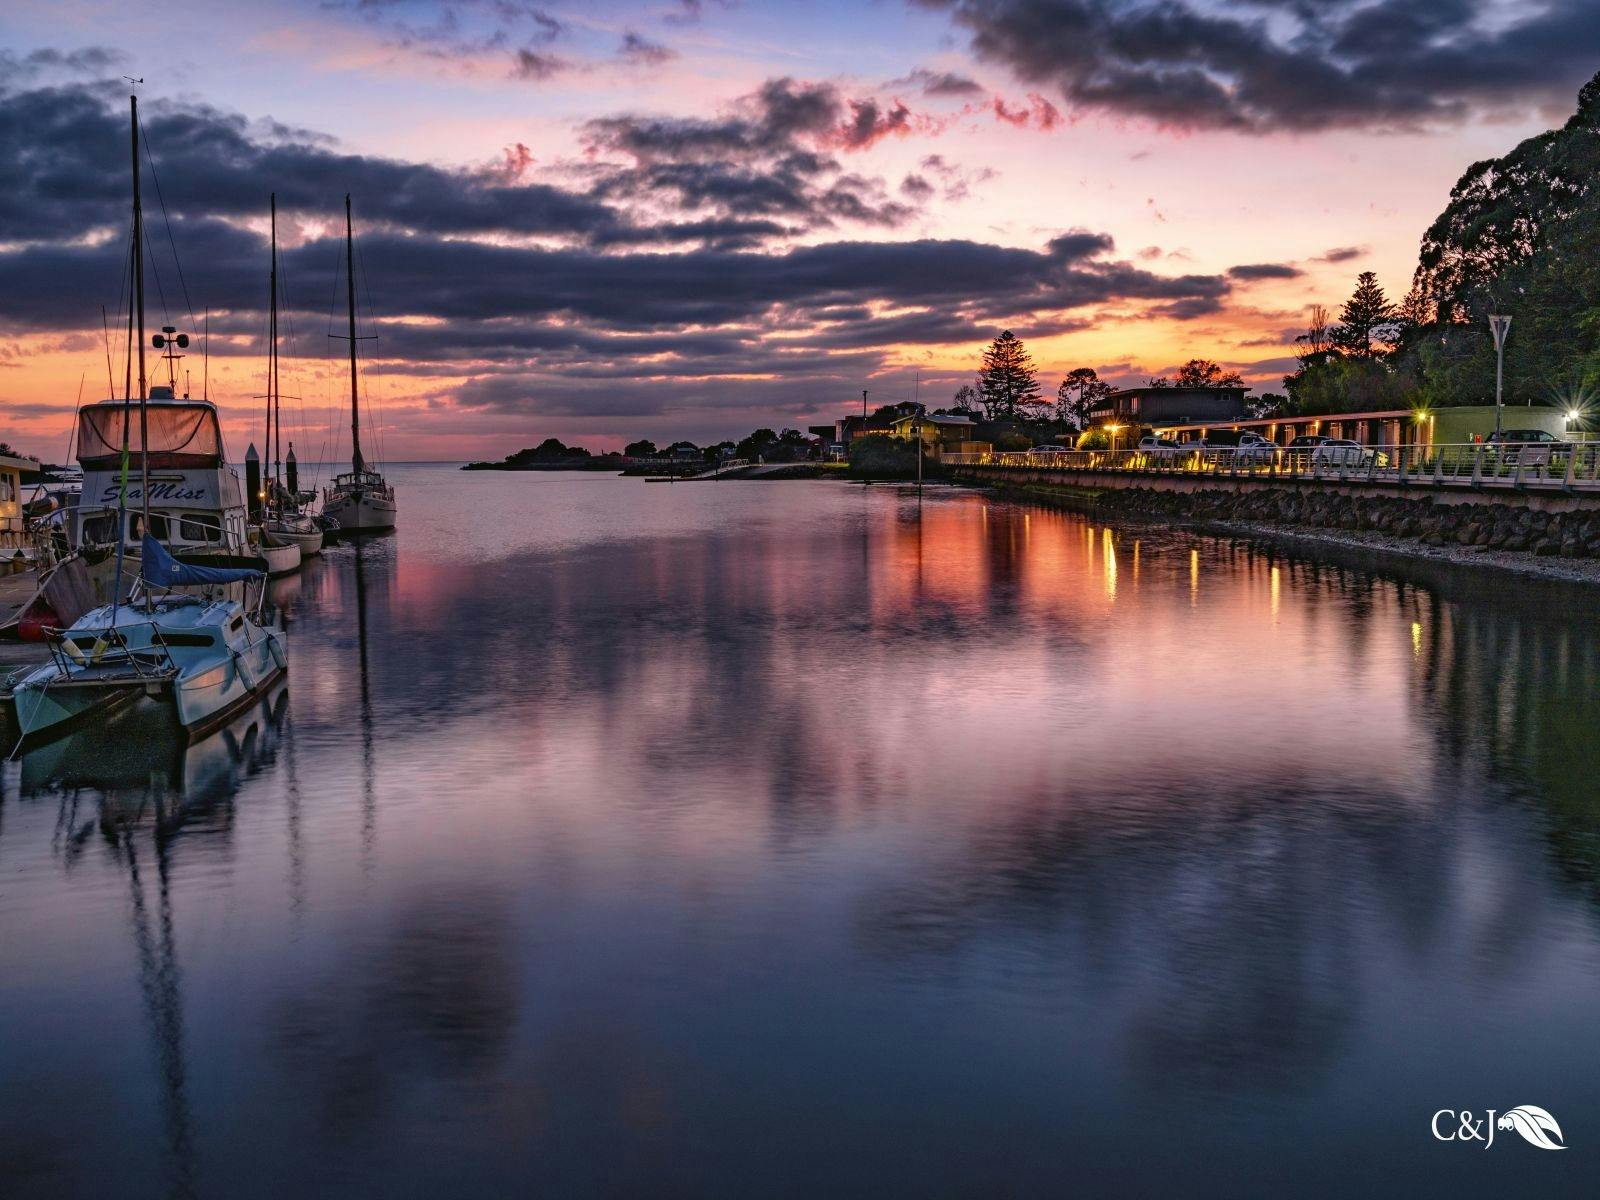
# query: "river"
804,838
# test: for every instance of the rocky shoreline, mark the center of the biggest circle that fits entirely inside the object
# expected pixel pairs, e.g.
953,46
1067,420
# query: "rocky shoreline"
1529,541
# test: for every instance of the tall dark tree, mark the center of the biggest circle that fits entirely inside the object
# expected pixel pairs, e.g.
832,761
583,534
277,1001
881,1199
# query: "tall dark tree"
1007,383
1366,321
644,448
1078,394
965,399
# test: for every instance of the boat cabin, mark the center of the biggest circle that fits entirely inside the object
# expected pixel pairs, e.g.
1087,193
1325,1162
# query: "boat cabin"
196,500
366,481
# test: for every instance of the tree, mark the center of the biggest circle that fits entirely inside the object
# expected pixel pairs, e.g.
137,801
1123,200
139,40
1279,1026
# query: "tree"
1367,317
965,400
1315,339
1202,372
1078,394
1006,382
643,448
1268,404
756,445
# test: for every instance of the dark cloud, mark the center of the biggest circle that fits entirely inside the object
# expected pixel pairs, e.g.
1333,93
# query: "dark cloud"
1286,64
870,122
465,30
507,282
939,84
1037,113
537,65
770,156
956,181
1250,272
642,51
1341,254
55,144
90,60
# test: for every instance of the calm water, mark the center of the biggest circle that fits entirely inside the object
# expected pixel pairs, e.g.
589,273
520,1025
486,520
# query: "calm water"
746,839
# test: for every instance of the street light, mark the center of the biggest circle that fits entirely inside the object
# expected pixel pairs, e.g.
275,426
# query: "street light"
1113,430
1499,326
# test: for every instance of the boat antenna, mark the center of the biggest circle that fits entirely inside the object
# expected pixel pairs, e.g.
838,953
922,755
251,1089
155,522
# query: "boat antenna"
350,288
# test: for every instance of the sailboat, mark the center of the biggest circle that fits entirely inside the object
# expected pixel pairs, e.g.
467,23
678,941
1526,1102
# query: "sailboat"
362,501
207,652
282,521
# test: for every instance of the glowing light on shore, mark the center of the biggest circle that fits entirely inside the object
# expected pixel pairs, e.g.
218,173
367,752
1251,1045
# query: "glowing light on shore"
1110,554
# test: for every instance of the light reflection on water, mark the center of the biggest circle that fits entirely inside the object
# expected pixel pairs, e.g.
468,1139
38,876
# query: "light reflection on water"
797,838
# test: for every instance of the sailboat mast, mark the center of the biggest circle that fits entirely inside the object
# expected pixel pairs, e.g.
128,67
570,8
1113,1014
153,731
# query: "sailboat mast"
138,287
350,289
272,350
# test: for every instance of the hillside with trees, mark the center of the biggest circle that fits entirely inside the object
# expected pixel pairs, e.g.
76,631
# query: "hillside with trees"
1519,236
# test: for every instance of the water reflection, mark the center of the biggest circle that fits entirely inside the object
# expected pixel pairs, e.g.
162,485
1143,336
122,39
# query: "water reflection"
126,791
841,829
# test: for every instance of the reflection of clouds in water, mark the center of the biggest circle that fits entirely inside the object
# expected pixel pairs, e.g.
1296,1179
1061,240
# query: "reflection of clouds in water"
1225,944
802,827
435,998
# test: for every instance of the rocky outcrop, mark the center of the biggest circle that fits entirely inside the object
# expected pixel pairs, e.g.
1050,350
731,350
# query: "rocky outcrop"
1506,527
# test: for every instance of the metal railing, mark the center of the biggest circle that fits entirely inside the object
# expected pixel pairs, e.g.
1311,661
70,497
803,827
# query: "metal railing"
1570,466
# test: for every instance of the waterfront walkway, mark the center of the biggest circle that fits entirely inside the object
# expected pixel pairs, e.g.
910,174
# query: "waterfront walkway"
1564,470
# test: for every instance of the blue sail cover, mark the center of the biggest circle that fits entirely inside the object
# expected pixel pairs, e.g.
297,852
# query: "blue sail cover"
160,569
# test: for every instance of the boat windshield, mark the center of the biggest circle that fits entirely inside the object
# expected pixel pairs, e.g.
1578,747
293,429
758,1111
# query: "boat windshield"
364,479
181,435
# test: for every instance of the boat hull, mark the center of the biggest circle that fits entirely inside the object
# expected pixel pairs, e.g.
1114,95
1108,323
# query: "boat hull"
209,679
362,513
42,713
309,541
280,560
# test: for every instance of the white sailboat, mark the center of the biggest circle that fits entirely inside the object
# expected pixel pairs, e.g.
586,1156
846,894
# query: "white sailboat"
361,501
208,653
282,522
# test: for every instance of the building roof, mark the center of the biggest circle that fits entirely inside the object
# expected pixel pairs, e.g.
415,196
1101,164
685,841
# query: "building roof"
1173,389
935,419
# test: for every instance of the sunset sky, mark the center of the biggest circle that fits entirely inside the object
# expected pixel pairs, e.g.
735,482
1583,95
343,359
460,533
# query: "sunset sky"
617,220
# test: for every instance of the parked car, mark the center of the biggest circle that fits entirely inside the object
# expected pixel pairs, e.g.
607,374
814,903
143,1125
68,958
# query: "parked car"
1514,439
1160,449
1253,448
1048,448
1307,441
1342,452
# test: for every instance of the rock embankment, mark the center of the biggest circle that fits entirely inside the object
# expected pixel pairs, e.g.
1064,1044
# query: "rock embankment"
1512,528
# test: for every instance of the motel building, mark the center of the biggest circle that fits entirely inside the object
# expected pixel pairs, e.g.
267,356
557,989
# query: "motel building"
1189,414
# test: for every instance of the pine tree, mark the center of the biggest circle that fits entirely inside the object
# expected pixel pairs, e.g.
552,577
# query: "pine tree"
1006,381
1362,318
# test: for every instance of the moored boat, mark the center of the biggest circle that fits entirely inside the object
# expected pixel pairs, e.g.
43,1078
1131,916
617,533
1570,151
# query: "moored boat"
361,501
283,521
279,557
211,653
